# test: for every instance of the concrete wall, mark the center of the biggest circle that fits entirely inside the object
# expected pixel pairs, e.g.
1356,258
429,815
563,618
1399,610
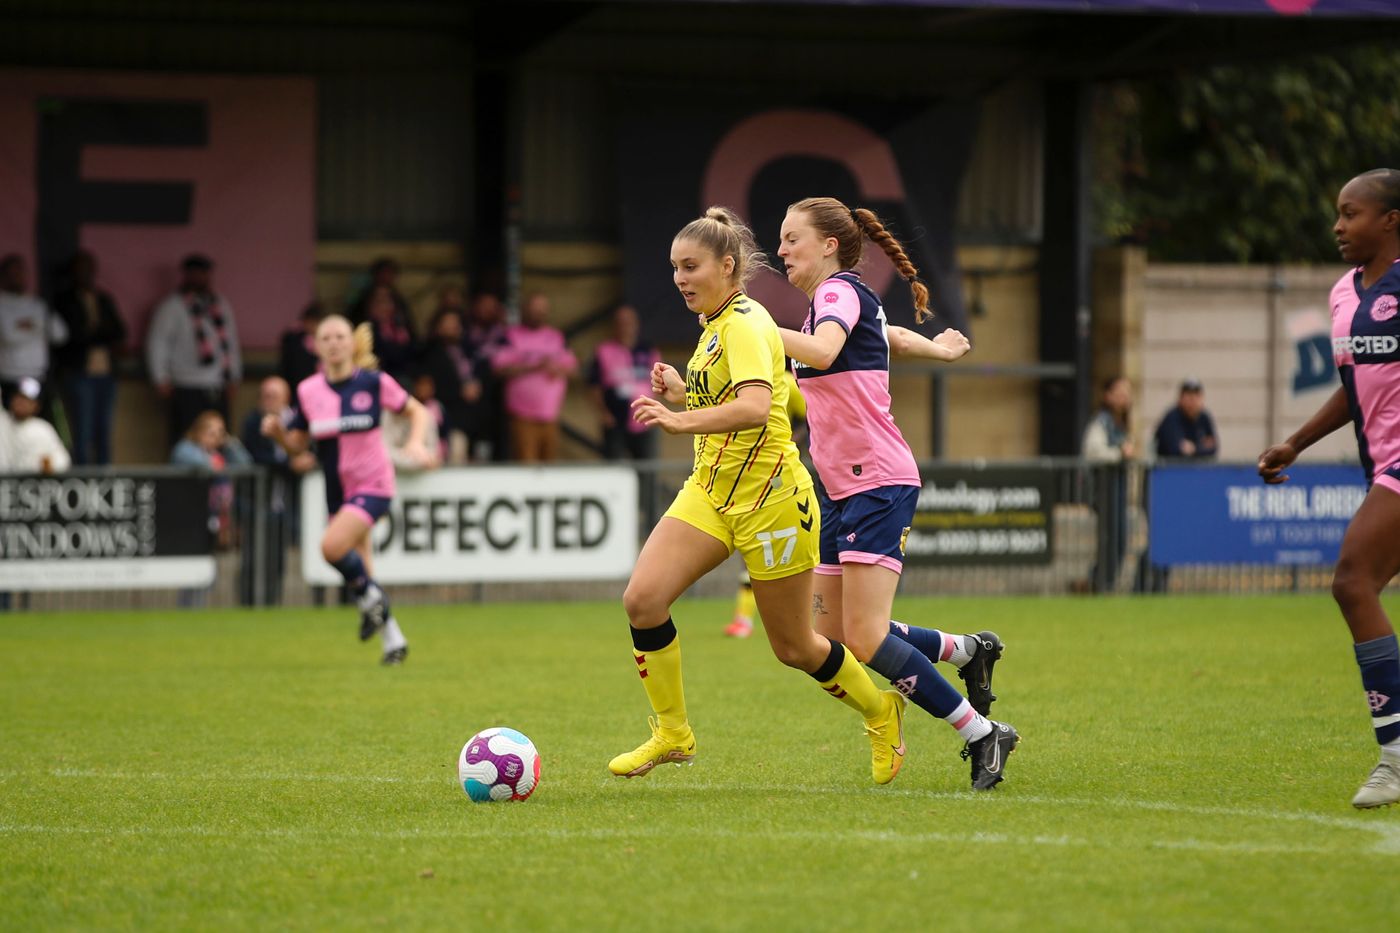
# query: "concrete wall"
1251,335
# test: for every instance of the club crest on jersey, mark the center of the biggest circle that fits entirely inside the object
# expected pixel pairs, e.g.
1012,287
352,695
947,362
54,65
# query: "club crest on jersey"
714,342
361,401
1384,308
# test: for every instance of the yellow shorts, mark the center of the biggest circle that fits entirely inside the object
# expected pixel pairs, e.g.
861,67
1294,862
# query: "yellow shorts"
776,541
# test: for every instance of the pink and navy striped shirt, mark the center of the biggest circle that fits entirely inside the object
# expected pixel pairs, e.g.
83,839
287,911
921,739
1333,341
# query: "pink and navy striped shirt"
344,418
855,443
1366,348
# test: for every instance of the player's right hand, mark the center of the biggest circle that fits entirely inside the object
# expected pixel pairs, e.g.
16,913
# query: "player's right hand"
1274,461
667,383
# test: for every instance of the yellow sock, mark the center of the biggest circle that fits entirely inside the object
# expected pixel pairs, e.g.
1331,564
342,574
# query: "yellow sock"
744,605
853,686
660,670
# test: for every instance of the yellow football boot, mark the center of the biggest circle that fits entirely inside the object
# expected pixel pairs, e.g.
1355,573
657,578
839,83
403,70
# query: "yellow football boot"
656,750
887,738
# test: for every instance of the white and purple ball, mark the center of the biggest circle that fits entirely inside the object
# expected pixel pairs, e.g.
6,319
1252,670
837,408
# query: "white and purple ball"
498,764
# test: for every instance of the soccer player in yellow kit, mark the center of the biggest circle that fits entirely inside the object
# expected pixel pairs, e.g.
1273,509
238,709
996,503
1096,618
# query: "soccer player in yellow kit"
748,491
741,625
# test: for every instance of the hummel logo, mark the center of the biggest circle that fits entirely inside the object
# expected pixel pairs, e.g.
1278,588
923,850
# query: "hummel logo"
901,626
851,538
1377,700
807,525
907,685
804,505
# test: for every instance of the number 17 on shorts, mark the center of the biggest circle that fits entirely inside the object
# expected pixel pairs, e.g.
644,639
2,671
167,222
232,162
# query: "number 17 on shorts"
780,540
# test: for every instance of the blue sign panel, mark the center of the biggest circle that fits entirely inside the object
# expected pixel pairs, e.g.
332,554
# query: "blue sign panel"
1228,515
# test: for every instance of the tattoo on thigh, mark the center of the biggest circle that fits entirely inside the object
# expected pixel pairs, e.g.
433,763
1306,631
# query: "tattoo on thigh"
818,607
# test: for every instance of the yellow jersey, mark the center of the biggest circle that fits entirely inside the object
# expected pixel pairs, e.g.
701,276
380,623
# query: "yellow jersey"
743,470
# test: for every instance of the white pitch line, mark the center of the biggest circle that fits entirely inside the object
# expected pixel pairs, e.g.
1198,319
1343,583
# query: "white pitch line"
602,834
1386,843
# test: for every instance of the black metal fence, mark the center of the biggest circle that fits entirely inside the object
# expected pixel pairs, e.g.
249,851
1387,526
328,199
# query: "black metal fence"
1095,541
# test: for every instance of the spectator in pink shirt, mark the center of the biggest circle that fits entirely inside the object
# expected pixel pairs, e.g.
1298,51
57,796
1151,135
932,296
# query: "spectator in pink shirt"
621,371
535,365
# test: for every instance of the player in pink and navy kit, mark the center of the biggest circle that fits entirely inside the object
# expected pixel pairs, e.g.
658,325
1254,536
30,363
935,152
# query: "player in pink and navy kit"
871,481
1366,348
341,408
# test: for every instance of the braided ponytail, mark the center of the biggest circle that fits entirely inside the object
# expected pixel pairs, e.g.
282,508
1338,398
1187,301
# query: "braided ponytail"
848,227
870,225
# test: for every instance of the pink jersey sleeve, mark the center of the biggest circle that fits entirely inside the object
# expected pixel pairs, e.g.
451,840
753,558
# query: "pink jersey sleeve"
837,301
392,395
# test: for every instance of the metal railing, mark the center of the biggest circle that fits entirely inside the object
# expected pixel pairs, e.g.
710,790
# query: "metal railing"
1097,529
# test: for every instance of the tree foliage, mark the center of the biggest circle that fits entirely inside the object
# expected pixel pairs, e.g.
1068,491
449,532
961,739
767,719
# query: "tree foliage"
1243,163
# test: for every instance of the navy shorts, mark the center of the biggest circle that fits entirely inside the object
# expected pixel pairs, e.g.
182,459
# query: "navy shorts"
867,528
373,508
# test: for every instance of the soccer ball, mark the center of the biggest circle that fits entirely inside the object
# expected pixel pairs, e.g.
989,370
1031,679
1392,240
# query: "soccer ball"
498,764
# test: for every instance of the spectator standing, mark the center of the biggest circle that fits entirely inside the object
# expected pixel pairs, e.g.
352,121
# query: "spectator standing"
296,358
485,335
28,443
621,372
395,342
1108,444
453,371
87,361
535,364
383,274
192,348
26,327
285,472
1187,431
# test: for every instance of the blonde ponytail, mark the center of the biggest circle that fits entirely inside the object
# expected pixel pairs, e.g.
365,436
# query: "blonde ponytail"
362,342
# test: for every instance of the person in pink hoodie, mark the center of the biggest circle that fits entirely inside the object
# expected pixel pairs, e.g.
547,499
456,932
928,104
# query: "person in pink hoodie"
535,365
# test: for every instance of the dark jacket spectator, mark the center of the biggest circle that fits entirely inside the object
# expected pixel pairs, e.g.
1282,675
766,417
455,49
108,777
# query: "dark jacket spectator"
394,341
296,358
454,374
86,362
1187,430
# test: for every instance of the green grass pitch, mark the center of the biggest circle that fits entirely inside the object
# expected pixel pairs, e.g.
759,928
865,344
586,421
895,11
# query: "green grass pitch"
1188,764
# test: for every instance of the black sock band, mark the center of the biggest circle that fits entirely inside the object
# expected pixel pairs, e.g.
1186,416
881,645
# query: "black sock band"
831,665
654,639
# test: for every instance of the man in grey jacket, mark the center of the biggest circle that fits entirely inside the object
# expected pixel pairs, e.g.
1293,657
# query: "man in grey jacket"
192,348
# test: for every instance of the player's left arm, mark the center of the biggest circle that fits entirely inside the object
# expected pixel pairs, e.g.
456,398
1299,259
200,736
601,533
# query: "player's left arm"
945,348
395,398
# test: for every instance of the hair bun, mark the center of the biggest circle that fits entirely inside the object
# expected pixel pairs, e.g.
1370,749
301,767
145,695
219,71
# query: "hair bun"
720,214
